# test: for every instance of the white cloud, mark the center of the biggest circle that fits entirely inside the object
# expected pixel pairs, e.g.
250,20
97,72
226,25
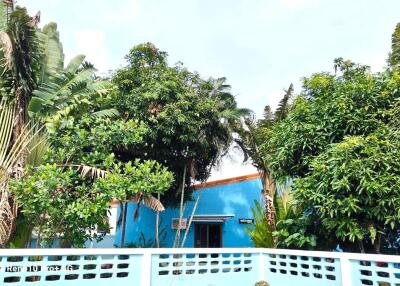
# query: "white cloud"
92,44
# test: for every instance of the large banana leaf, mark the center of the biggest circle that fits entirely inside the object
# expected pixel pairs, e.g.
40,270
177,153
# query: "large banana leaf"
69,90
52,61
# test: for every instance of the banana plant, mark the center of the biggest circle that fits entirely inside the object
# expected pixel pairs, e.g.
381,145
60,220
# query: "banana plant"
13,156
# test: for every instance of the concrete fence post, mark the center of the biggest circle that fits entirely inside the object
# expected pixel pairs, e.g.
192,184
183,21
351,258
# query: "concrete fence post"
146,269
345,268
261,267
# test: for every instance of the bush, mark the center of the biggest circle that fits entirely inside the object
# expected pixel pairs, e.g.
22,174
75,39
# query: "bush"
261,283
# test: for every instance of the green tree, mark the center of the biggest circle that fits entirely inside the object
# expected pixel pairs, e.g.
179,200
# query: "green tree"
351,102
139,182
330,144
184,113
190,119
84,196
354,185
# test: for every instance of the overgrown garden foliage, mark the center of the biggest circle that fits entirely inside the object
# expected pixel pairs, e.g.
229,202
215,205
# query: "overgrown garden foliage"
338,146
129,138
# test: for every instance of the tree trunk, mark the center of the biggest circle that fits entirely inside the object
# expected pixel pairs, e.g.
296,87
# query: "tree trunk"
269,189
17,169
123,224
158,225
361,245
190,221
377,243
178,231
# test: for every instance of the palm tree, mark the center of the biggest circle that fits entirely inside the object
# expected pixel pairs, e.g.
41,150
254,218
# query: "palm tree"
252,136
14,152
19,59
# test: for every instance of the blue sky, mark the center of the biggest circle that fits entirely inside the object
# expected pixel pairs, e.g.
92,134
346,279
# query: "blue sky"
261,46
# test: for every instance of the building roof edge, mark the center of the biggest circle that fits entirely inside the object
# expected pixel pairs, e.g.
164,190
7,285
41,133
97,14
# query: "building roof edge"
226,181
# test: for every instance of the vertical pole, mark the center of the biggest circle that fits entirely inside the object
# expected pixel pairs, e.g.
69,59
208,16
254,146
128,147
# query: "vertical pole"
345,268
146,269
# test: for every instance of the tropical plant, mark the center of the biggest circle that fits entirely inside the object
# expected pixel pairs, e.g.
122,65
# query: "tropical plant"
262,233
13,154
252,136
70,93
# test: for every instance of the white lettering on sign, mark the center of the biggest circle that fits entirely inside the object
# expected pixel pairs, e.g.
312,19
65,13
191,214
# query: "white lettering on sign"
13,269
246,220
37,268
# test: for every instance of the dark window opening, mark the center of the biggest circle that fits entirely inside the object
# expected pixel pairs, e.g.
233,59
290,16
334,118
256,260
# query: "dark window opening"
208,235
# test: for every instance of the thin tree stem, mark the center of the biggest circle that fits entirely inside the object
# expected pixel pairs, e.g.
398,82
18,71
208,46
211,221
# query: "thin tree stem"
157,225
178,231
124,209
190,221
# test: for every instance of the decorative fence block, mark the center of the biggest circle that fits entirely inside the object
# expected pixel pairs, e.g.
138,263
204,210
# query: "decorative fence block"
224,268
381,273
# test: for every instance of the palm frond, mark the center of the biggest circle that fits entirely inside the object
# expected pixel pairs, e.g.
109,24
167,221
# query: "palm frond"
283,205
64,89
105,113
12,161
92,172
153,203
260,232
101,87
38,146
34,22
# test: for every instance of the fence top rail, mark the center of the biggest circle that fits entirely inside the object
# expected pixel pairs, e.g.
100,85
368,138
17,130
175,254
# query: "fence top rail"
157,251
339,255
119,251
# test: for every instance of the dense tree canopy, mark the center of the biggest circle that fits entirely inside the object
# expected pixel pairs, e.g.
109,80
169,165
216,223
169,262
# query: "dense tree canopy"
189,119
343,158
355,186
353,101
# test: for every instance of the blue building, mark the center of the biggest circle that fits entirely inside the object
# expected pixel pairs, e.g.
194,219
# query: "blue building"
222,213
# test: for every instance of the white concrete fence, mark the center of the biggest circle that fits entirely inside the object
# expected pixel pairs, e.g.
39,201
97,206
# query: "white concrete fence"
195,267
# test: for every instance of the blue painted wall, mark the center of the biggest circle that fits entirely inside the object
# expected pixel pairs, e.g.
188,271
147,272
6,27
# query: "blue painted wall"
234,198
